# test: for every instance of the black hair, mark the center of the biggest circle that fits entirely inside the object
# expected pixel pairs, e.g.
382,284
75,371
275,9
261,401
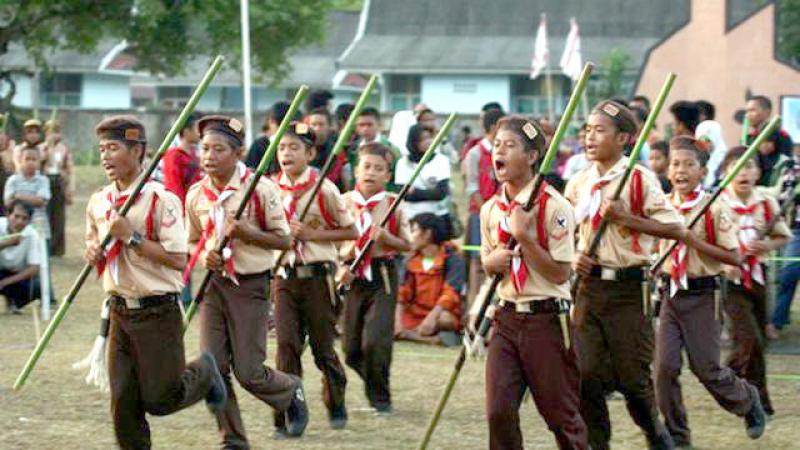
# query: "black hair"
763,101
492,105
643,99
689,143
687,113
27,207
320,112
278,111
318,98
490,119
413,140
707,109
660,146
370,111
190,121
343,112
433,223
733,155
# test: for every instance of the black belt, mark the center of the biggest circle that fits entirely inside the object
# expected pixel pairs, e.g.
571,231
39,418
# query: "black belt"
546,306
699,283
634,273
306,271
145,302
247,276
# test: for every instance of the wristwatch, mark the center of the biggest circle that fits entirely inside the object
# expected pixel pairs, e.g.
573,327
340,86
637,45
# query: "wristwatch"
135,240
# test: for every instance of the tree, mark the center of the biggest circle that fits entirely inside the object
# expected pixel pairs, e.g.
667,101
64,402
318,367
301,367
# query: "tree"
788,31
609,83
163,34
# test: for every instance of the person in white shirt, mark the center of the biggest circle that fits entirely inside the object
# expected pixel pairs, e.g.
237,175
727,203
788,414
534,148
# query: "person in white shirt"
20,257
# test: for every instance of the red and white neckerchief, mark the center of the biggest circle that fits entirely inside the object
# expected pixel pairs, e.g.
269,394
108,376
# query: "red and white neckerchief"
290,202
519,271
113,250
364,225
751,267
215,224
678,277
589,205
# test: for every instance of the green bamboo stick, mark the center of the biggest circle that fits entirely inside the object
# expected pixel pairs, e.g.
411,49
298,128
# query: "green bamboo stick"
76,286
269,155
745,129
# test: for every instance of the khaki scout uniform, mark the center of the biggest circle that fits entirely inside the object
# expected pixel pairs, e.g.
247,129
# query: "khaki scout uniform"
303,293
747,307
615,335
146,365
690,320
528,349
369,306
233,318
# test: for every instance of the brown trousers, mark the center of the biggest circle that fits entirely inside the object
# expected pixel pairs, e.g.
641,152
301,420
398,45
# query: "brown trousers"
233,328
57,215
615,349
147,370
368,332
688,322
748,313
527,351
303,308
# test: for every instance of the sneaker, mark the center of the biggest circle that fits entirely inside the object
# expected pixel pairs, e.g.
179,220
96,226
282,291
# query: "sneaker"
279,434
772,332
338,418
384,409
217,394
755,420
297,412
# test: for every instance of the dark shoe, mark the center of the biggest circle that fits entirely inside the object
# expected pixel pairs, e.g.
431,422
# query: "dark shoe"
297,412
338,418
279,434
755,420
217,394
384,409
662,442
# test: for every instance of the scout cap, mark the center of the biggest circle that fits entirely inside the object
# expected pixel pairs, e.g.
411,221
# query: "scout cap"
229,127
121,128
620,114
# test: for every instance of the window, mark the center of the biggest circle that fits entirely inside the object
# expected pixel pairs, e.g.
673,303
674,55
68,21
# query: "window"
404,91
232,98
61,89
173,96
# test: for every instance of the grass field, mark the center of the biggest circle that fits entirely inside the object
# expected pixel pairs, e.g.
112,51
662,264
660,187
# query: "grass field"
56,410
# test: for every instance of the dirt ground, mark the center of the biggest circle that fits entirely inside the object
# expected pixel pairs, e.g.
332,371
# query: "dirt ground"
56,410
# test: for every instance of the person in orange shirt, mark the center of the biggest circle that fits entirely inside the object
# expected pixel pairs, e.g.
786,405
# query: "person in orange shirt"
429,301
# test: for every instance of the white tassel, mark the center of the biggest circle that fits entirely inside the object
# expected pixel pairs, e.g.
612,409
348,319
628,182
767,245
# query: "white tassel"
96,359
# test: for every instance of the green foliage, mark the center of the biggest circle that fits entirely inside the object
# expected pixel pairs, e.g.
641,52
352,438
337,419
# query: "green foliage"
610,76
788,31
164,34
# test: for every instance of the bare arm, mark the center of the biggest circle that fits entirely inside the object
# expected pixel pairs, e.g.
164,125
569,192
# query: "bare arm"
730,257
24,274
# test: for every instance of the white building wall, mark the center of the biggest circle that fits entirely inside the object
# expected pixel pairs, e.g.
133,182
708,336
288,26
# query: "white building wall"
103,91
464,93
24,96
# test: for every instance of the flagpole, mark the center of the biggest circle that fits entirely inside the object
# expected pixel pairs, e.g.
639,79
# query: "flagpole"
550,99
246,84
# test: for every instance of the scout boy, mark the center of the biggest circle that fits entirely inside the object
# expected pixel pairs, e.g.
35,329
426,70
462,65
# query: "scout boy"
370,302
689,317
529,349
746,302
303,287
233,324
615,334
141,270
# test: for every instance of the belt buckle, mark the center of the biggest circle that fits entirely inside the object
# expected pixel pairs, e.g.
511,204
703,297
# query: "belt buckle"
304,272
608,274
523,307
133,303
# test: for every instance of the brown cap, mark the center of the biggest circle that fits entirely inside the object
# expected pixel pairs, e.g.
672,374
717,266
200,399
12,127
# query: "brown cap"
52,125
621,115
227,126
302,131
121,128
30,123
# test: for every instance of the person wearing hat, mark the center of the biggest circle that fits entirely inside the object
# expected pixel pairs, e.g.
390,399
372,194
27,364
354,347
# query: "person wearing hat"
233,325
141,272
612,310
57,166
31,137
303,287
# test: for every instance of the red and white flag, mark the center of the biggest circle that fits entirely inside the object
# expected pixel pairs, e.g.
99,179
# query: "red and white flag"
571,60
540,52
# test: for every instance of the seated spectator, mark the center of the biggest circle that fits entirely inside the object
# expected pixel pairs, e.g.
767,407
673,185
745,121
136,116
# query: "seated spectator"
430,192
429,300
20,257
32,187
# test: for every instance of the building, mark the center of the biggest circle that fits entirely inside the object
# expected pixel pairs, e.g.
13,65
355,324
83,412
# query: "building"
456,55
725,51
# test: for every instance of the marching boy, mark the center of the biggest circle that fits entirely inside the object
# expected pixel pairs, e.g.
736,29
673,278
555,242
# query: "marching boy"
369,306
689,318
303,287
233,325
612,310
141,271
746,302
529,349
